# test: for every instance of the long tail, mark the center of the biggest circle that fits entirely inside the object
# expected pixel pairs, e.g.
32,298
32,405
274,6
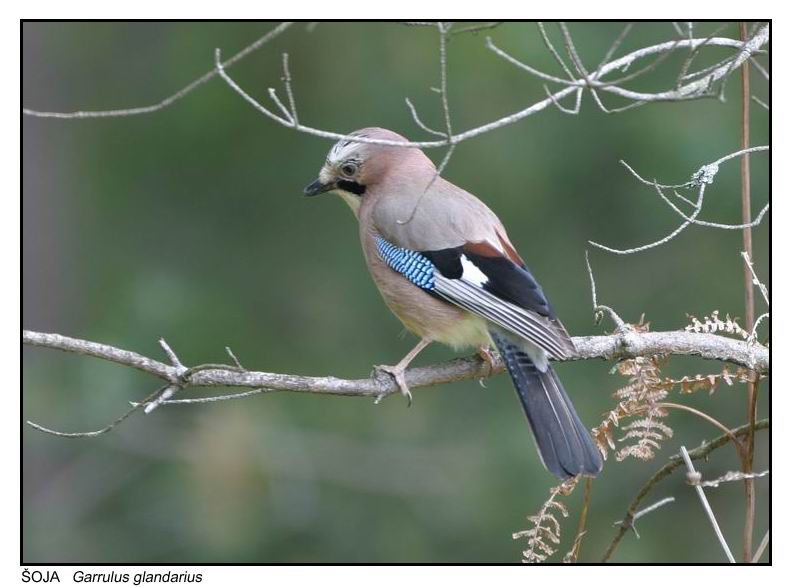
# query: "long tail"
565,445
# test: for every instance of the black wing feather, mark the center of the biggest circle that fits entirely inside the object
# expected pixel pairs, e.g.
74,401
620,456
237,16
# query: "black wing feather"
513,283
510,297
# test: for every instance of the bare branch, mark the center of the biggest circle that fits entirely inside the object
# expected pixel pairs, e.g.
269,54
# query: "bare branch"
760,102
477,28
610,348
419,122
288,83
553,51
599,309
234,358
701,179
730,476
613,48
274,97
695,89
690,58
763,71
692,219
103,430
644,512
573,53
763,289
170,100
510,59
762,547
602,106
705,505
574,110
443,30
216,398
760,318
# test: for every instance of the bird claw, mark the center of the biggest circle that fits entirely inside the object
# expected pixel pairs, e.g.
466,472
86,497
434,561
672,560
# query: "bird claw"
399,376
488,357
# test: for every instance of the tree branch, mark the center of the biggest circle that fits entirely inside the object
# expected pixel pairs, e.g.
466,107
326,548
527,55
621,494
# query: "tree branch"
699,88
609,347
170,100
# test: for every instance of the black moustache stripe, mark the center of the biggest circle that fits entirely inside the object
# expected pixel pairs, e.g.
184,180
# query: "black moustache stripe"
352,186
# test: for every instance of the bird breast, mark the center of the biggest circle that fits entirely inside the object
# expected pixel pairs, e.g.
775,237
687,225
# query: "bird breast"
421,313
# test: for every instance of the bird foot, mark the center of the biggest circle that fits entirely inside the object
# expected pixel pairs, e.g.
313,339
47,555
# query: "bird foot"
398,373
488,357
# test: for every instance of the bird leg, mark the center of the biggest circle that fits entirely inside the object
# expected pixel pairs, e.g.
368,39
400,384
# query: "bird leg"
398,371
488,357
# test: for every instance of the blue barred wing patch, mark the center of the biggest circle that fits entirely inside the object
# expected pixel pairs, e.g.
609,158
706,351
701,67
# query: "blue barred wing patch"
414,266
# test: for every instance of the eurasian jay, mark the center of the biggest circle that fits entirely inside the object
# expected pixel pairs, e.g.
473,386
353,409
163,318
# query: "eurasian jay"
446,268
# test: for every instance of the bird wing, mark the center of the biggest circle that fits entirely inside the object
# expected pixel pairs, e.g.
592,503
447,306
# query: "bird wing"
489,285
451,244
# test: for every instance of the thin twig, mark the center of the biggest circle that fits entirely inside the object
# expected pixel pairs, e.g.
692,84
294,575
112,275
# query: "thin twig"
474,29
574,110
706,506
759,101
762,547
708,418
763,71
701,179
572,52
170,100
599,309
613,48
288,83
517,63
748,294
753,335
216,398
442,32
419,122
234,358
643,512
105,429
284,110
171,355
553,51
692,54
754,279
732,476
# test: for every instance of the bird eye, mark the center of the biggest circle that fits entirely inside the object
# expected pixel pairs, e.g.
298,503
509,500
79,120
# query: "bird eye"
349,169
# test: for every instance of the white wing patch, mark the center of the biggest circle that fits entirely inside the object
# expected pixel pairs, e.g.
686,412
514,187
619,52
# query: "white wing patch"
471,272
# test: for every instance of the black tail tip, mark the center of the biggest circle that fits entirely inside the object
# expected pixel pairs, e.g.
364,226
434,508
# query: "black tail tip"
590,466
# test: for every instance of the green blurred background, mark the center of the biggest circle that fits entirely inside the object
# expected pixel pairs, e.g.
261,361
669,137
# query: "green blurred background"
190,224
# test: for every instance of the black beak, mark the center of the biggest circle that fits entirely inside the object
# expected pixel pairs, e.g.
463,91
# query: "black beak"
318,188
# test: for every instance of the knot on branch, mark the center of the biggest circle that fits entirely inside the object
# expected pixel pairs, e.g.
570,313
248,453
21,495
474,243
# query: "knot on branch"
704,175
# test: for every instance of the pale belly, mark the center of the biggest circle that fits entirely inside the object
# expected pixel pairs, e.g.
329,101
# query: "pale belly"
427,316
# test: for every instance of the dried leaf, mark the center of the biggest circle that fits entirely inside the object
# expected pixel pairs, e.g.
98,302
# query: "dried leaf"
545,533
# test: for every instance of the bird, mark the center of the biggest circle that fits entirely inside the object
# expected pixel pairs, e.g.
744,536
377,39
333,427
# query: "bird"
446,268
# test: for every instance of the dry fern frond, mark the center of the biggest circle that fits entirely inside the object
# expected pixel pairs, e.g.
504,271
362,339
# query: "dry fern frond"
648,432
545,534
645,389
713,324
693,383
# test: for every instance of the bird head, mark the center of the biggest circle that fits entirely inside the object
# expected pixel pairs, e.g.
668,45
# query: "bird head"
352,167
